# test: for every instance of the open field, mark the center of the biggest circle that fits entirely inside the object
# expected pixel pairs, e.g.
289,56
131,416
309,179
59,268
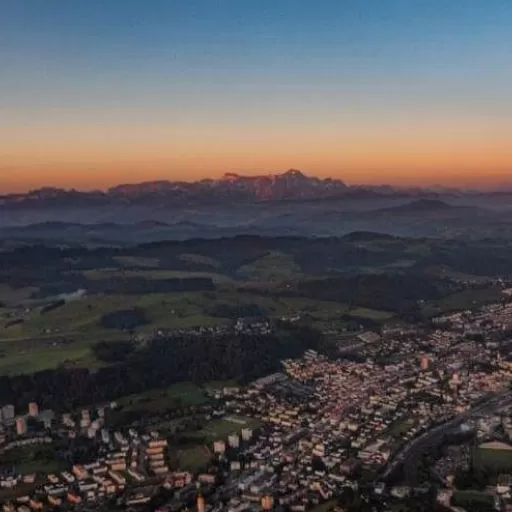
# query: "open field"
473,500
84,316
65,334
27,356
153,274
31,459
447,272
193,457
170,310
371,314
220,429
497,461
135,261
467,299
182,394
200,259
272,266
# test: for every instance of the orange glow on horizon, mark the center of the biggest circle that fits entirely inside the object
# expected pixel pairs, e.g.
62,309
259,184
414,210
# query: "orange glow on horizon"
397,158
96,94
99,176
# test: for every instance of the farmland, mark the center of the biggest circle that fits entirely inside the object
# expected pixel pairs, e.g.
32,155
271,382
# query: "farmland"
153,274
65,334
134,292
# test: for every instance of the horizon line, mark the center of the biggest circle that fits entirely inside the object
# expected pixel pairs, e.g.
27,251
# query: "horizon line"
399,186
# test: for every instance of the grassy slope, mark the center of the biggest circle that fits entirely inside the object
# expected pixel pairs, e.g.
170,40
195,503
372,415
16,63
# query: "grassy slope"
152,274
35,344
182,309
18,357
83,316
467,299
274,265
136,261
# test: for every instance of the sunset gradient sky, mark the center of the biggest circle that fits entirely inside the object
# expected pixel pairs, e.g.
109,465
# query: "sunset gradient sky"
99,92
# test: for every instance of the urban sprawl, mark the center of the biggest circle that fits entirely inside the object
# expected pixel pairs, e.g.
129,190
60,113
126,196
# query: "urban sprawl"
299,437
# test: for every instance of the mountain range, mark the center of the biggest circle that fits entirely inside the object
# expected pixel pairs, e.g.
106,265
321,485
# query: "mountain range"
288,204
290,185
128,224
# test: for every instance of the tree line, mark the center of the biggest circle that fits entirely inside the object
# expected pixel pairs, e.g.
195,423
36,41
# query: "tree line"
162,362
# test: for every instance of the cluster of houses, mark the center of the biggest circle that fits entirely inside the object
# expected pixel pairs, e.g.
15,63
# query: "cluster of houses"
325,423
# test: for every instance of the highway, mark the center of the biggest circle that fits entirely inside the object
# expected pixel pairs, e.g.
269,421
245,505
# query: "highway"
416,446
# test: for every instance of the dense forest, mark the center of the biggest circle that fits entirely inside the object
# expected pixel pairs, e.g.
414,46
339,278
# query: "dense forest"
161,363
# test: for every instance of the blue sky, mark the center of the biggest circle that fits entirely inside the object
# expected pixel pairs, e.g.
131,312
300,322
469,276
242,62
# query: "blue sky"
345,66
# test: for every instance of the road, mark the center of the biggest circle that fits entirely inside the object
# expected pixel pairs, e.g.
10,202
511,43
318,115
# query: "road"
414,447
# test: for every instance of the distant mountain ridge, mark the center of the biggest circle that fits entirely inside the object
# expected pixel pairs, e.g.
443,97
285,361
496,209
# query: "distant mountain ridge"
426,206
290,185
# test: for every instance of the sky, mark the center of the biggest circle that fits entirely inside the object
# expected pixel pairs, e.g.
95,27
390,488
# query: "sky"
99,92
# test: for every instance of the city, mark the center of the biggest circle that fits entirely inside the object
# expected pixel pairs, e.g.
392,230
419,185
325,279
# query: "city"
301,437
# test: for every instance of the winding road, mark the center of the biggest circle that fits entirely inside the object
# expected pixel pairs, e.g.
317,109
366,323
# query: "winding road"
416,446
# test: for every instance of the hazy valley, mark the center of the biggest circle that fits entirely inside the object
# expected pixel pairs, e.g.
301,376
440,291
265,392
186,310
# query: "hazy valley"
291,204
